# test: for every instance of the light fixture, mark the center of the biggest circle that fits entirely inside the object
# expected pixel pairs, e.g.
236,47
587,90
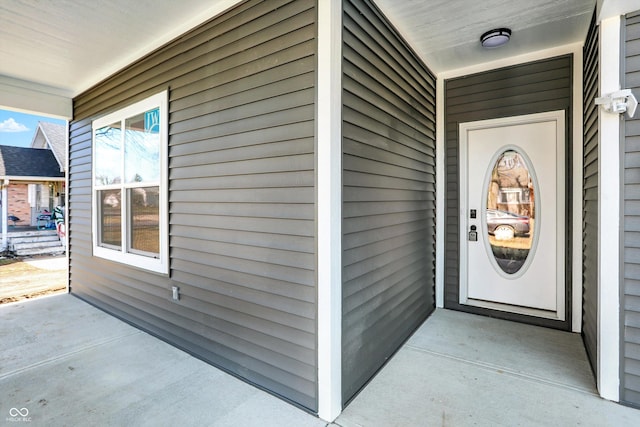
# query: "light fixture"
619,102
495,38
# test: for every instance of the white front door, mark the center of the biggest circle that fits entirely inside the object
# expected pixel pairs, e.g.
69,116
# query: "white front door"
512,216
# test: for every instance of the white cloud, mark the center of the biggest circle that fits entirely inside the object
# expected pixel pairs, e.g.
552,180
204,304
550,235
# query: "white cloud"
10,125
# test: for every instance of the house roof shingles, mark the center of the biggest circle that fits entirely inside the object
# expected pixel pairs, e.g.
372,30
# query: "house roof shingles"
28,162
56,135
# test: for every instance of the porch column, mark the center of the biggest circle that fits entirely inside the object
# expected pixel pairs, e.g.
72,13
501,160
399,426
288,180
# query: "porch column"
5,201
609,216
329,208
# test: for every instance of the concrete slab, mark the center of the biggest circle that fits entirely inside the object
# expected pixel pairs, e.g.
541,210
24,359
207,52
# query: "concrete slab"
70,364
543,353
59,262
465,370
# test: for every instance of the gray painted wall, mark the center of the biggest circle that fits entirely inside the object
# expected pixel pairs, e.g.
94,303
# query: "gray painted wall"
590,198
388,193
523,89
241,199
630,378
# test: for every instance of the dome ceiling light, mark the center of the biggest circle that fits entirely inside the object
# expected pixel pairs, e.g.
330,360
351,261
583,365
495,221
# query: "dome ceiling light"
495,38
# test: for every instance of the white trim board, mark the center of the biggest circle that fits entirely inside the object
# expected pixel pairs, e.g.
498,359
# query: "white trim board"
31,179
329,208
33,98
440,192
609,216
514,60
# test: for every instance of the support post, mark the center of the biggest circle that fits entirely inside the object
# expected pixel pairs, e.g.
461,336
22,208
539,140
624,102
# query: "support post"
5,213
329,208
609,216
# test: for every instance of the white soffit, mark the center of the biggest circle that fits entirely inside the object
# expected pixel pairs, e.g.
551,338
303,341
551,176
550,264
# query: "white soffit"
611,8
71,45
68,46
446,33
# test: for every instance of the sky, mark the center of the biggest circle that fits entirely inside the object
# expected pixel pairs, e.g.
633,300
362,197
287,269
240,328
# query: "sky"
17,129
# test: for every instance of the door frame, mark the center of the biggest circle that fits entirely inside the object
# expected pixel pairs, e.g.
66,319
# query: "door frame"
563,287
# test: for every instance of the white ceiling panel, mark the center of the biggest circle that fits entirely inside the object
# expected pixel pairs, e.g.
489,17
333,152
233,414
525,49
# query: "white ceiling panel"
446,33
73,44
70,45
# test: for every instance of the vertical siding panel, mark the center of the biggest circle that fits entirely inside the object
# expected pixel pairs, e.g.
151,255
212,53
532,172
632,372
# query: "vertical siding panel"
522,89
630,381
241,197
590,198
388,193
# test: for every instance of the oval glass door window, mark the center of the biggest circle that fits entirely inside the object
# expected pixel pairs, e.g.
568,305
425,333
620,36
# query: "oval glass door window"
511,213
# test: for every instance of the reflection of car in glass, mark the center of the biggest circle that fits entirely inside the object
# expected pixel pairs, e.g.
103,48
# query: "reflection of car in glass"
506,225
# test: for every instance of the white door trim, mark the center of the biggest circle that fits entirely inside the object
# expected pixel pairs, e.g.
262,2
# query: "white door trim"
559,118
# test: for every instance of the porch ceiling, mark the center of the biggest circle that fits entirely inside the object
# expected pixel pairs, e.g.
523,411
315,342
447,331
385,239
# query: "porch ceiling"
446,33
65,47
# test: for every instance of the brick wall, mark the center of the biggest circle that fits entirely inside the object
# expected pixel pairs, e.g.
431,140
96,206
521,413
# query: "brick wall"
18,196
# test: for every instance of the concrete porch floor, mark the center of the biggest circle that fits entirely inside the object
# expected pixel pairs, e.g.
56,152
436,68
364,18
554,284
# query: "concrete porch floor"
460,369
69,363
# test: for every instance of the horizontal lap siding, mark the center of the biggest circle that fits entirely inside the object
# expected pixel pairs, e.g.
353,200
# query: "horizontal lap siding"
522,89
388,193
241,197
630,384
590,199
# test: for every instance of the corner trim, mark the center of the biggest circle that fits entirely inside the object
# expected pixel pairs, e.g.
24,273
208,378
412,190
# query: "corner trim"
441,136
329,208
609,217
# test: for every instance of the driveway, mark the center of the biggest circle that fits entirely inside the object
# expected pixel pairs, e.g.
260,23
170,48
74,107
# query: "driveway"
31,277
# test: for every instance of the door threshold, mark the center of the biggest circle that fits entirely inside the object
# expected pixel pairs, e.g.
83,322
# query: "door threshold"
508,308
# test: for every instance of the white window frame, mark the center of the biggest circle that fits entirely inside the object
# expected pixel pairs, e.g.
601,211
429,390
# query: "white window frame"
123,254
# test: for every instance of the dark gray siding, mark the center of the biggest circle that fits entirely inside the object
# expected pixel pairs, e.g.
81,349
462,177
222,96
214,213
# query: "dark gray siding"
590,198
242,197
630,381
523,89
388,193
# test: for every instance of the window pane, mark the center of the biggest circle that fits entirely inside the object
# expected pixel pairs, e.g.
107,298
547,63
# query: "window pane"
145,219
511,211
110,217
108,154
142,147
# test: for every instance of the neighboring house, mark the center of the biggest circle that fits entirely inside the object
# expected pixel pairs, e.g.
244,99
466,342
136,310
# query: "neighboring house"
31,181
288,196
35,175
52,136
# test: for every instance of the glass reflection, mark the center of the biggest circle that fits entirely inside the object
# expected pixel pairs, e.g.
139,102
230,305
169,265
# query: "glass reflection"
144,205
108,144
142,147
510,211
110,218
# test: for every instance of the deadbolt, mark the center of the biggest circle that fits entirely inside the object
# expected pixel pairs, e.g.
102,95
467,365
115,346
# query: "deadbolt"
473,234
